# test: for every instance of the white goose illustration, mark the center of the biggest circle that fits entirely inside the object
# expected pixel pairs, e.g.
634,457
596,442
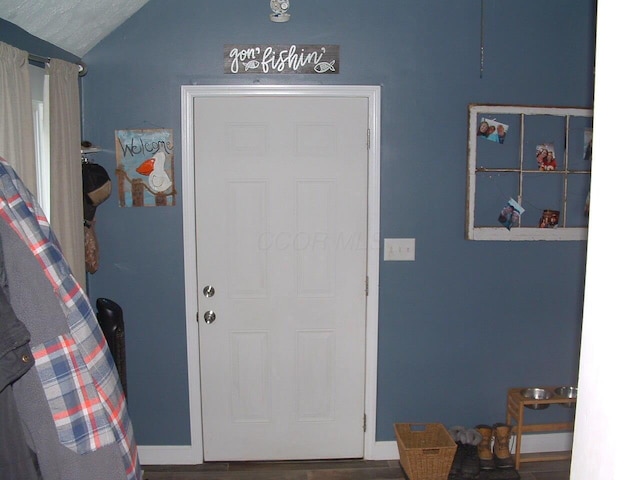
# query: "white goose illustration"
153,167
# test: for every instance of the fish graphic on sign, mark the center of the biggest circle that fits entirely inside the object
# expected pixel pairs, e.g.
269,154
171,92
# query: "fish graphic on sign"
325,67
251,65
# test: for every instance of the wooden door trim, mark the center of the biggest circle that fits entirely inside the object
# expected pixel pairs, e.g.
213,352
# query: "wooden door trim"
189,94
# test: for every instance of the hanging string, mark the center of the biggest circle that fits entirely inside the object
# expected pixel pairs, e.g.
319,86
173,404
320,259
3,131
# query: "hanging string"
481,37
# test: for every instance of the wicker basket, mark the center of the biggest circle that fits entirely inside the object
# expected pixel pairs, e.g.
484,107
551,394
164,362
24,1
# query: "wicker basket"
426,450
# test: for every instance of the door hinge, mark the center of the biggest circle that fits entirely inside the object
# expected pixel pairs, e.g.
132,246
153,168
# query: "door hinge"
366,286
197,318
364,422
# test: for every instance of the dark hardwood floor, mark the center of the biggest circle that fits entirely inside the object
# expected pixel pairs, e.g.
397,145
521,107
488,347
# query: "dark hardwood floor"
322,470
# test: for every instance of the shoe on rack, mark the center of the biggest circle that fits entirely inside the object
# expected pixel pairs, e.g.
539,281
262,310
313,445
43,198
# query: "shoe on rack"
501,451
470,467
485,455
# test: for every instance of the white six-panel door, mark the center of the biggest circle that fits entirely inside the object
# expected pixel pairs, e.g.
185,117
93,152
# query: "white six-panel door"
281,234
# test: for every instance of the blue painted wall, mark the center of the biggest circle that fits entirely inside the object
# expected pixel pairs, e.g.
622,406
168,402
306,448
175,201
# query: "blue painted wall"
466,320
19,38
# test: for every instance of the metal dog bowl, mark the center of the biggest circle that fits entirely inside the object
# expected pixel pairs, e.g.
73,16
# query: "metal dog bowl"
537,394
567,392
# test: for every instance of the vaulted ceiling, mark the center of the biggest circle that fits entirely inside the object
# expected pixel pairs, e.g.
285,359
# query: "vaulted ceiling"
73,25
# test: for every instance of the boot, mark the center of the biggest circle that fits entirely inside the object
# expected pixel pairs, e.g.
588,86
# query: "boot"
470,467
484,447
501,451
456,465
465,462
471,463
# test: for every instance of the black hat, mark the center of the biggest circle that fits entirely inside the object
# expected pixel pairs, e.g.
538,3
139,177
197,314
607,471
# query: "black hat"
96,188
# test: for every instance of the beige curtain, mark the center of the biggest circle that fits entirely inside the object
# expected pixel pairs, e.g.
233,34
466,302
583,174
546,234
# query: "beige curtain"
66,165
17,145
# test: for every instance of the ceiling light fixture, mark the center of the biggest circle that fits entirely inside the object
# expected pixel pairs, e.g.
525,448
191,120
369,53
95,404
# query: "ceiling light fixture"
280,8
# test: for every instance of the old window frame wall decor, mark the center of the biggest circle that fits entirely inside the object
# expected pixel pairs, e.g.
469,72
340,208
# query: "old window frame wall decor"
505,172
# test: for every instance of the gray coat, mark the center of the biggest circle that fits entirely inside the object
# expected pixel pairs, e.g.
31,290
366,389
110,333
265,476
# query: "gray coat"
17,459
35,304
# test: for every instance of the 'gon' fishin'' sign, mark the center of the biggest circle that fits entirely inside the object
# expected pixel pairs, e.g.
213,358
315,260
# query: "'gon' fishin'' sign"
310,59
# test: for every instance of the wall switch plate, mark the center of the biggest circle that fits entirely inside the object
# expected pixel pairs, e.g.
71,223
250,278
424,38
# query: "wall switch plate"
400,249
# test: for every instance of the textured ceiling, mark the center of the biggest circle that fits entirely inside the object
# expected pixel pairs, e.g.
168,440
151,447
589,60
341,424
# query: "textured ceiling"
73,25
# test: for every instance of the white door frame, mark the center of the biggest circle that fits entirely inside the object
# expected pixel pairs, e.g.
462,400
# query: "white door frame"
194,452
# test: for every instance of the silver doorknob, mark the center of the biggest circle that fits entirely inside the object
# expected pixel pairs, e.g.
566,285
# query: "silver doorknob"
209,316
208,291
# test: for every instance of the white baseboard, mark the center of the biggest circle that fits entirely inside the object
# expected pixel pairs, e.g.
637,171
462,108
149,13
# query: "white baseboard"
169,455
187,455
531,443
384,451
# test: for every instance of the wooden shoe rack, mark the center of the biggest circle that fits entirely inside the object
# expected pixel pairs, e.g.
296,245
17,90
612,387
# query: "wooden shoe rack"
516,404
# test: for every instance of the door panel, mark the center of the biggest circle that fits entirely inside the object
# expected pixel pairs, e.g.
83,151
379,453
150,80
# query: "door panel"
281,209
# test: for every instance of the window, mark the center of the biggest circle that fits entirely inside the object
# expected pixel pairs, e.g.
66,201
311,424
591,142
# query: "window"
41,134
536,159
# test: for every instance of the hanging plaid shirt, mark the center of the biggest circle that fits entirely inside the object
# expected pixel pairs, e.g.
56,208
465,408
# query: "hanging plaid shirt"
77,371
